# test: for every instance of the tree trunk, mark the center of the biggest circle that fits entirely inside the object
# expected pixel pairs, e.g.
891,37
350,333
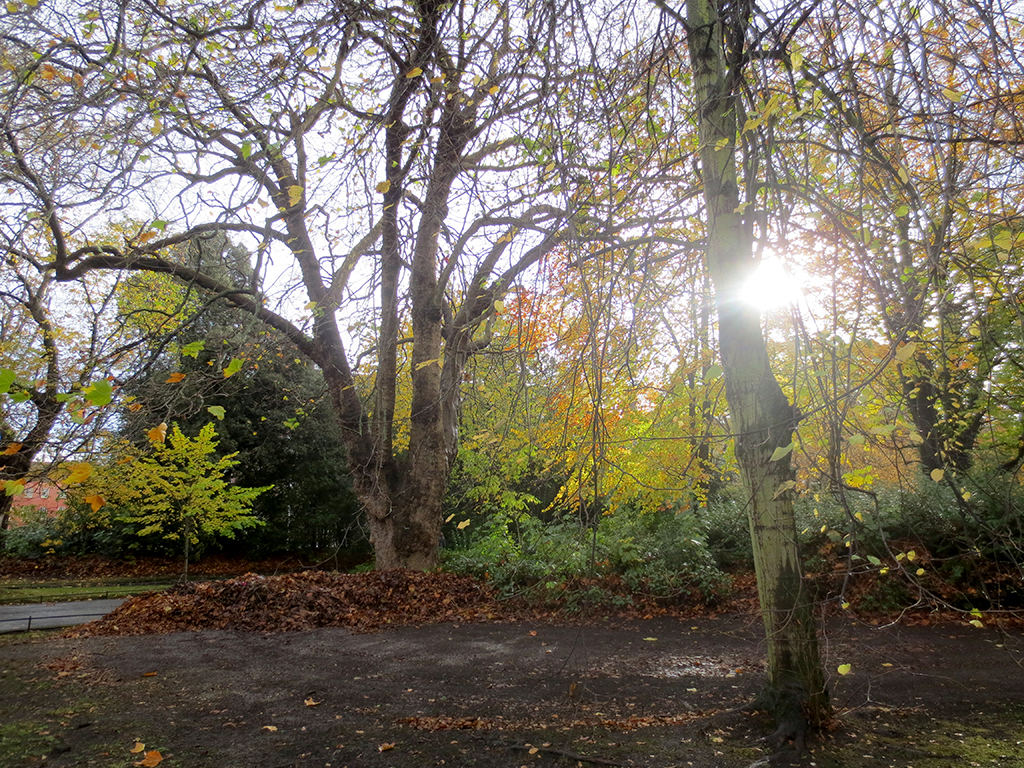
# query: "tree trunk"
761,416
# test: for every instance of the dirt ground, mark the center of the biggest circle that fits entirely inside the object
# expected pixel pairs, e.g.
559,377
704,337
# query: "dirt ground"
648,693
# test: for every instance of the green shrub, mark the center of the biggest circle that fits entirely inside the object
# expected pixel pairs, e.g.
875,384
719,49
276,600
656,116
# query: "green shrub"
38,535
660,554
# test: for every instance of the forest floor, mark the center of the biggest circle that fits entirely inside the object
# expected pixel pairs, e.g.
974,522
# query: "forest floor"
428,670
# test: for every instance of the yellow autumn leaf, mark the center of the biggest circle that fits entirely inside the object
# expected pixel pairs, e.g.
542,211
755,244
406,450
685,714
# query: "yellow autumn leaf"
174,378
311,51
463,524
11,449
437,78
449,518
311,703
386,746
152,759
80,472
937,475
954,96
911,555
270,728
493,90
294,195
139,747
96,502
844,669
158,433
384,186
414,72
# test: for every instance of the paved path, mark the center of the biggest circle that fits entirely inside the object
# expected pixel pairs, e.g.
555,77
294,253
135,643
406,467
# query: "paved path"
19,618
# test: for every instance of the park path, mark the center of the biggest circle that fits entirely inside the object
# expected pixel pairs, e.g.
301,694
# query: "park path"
21,618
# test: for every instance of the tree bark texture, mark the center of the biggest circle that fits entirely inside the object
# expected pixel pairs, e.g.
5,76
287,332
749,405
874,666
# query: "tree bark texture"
761,416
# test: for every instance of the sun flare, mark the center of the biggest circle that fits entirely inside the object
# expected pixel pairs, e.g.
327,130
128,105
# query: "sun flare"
771,286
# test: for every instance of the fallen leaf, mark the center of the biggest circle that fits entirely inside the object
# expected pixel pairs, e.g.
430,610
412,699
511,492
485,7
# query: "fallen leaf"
844,669
269,727
152,759
310,703
149,674
386,746
139,747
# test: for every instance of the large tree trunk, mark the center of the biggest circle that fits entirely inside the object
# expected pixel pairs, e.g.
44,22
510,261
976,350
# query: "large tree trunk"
761,416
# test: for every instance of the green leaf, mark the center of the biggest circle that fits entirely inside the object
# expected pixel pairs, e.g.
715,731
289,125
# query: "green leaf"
902,211
217,411
714,372
99,393
159,224
6,380
193,349
782,452
233,367
783,487
874,560
21,397
905,352
294,195
856,440
844,669
246,149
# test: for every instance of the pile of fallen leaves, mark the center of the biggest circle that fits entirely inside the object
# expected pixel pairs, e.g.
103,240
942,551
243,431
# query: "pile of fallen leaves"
290,602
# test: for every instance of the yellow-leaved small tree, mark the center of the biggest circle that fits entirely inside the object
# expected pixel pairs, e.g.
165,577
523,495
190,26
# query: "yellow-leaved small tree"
178,490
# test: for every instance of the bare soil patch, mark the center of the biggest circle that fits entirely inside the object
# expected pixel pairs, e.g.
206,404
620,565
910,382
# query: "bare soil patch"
475,682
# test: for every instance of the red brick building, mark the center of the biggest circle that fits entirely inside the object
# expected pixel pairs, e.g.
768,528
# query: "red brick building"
39,494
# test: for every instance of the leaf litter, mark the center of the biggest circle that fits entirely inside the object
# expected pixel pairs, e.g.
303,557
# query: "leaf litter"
292,602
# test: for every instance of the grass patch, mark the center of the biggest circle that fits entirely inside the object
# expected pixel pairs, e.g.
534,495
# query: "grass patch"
19,592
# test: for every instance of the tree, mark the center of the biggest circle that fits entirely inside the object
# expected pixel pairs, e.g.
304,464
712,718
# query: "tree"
409,161
273,413
53,400
176,491
761,416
